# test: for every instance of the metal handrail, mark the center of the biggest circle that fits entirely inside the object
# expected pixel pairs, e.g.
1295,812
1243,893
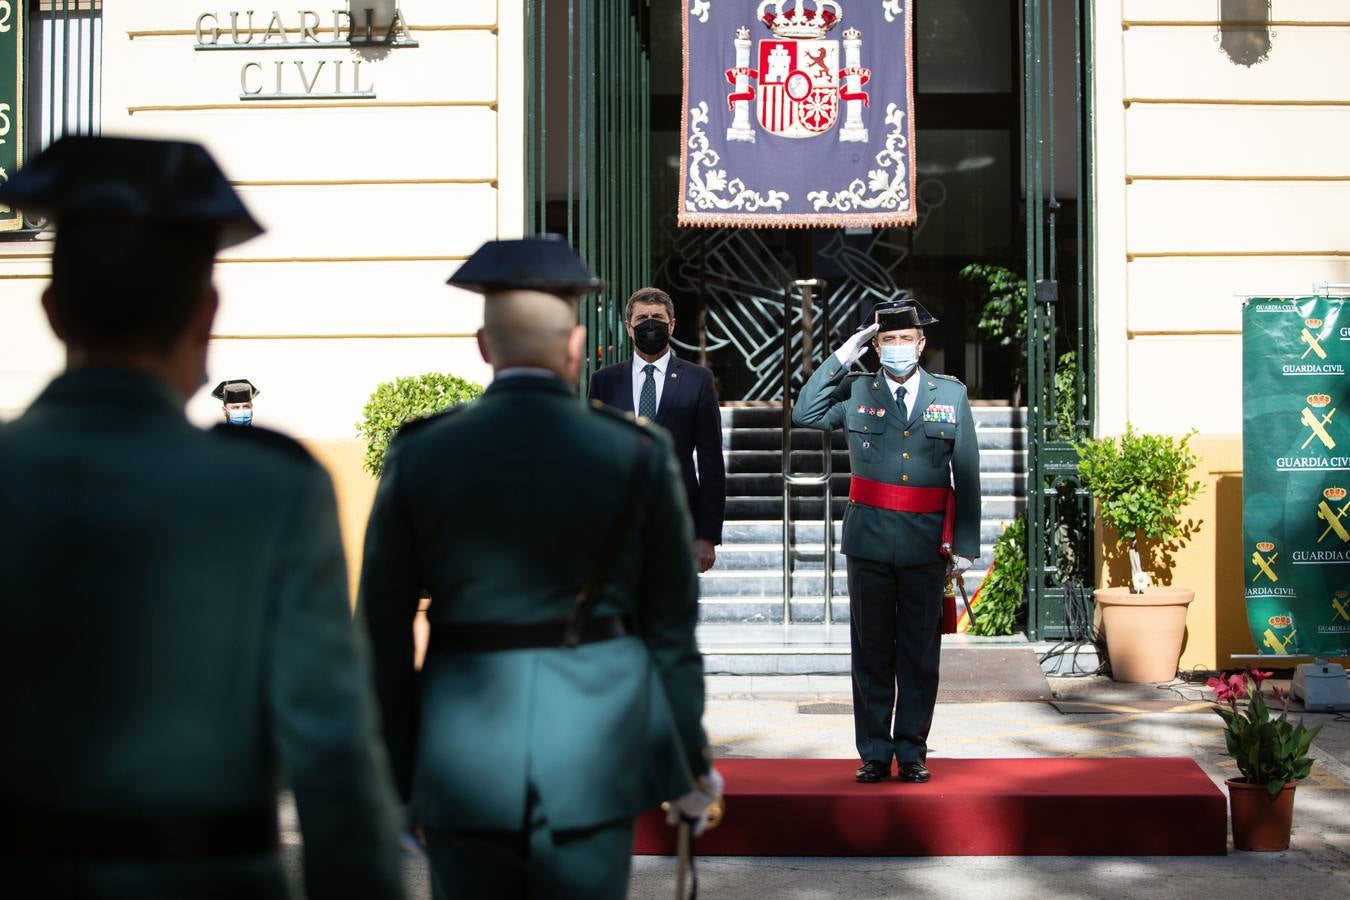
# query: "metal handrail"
807,288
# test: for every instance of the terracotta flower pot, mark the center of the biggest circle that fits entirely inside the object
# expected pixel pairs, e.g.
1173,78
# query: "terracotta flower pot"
1260,821
1144,631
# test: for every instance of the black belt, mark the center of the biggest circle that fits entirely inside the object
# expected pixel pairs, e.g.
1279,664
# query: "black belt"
489,637
34,835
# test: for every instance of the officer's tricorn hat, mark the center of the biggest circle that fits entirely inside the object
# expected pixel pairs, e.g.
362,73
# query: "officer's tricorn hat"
240,390
541,263
906,312
119,181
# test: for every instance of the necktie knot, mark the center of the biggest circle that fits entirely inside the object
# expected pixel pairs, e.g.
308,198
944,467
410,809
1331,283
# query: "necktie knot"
647,396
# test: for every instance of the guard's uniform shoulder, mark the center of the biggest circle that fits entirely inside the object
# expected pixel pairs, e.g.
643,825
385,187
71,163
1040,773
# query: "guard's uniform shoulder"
413,426
641,423
275,441
951,378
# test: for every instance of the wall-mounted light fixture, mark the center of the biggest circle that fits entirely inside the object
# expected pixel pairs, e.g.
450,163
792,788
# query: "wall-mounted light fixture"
1244,34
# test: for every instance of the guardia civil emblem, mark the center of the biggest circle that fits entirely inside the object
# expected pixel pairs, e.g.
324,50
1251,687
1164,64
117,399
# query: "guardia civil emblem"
800,82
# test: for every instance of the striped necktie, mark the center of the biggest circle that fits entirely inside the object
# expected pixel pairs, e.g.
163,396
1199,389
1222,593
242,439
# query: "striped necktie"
647,401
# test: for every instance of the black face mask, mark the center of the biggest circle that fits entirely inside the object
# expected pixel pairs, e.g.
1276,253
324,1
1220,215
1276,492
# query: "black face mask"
651,336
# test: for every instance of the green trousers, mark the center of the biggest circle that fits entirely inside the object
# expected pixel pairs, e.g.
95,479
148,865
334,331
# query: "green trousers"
538,862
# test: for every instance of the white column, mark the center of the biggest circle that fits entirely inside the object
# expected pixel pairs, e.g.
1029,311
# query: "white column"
740,129
853,128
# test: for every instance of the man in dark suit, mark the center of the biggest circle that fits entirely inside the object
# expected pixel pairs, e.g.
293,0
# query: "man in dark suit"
677,395
153,700
563,689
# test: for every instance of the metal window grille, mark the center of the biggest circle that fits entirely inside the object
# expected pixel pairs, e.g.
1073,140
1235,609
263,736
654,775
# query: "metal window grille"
65,69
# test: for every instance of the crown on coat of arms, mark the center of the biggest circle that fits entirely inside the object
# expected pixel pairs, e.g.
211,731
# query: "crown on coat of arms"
808,19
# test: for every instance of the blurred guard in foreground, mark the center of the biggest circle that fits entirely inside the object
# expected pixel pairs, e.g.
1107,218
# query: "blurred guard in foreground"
151,700
563,690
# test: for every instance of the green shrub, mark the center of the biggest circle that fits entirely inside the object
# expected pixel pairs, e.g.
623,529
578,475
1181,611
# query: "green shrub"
1004,592
399,401
1003,318
1140,483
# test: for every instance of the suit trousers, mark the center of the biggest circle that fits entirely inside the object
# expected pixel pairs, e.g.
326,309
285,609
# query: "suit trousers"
537,862
895,629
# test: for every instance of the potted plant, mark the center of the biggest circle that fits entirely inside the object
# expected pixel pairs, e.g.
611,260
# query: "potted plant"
1271,754
1141,482
395,403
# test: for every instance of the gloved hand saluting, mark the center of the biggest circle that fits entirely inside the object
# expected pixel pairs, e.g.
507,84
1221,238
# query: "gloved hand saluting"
702,804
853,348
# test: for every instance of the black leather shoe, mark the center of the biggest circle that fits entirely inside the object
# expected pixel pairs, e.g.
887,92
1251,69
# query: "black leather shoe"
914,772
872,771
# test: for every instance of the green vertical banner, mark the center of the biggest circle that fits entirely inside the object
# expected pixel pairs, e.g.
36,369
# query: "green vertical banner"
1296,474
11,100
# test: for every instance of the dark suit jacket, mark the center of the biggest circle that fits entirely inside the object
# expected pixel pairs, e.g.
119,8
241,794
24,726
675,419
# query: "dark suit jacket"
689,411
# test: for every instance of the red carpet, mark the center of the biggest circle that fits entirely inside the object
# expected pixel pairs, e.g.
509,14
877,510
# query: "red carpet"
972,807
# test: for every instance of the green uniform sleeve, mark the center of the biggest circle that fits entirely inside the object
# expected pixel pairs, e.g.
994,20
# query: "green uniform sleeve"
323,717
966,481
668,600
388,598
819,404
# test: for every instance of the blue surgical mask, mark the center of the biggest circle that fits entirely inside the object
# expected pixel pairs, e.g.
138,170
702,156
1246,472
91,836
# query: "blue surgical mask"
239,416
899,359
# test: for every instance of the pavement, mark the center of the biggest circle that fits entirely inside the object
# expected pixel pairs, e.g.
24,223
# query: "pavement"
809,716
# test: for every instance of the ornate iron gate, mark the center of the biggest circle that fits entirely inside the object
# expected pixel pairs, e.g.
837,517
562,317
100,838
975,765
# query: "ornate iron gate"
587,149
1060,352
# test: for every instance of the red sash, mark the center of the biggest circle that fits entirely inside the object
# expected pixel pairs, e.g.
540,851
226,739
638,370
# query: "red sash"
903,498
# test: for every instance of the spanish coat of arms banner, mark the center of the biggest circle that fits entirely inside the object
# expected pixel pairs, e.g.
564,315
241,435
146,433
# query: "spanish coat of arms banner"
797,113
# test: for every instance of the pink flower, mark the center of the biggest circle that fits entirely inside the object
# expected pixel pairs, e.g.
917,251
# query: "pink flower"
1280,695
1237,684
1258,676
1222,693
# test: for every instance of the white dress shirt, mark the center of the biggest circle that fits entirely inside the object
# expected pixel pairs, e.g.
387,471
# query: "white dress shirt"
911,385
640,377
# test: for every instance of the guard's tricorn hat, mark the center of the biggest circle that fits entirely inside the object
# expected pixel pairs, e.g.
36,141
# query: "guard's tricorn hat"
541,263
113,182
905,312
240,390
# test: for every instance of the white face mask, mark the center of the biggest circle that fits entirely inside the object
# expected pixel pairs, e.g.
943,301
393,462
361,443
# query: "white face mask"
899,359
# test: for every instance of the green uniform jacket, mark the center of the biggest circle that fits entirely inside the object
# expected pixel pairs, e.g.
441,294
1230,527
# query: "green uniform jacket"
176,633
499,510
920,452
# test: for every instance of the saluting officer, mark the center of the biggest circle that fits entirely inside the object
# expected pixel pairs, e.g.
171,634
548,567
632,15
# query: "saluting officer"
913,514
562,691
153,699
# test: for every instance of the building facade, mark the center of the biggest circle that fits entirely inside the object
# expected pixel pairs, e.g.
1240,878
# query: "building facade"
380,150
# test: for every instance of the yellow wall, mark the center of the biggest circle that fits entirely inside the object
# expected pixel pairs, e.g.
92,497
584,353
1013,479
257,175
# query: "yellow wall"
355,492
1218,171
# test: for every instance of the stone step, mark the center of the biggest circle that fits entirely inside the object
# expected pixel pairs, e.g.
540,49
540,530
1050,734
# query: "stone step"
806,508
770,531
764,484
766,611
768,558
768,586
738,438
